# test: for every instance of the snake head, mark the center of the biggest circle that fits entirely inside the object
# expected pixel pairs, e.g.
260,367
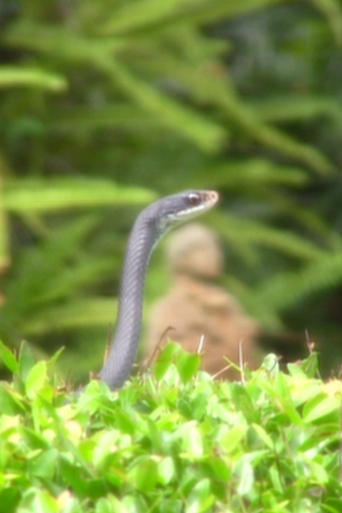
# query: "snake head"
180,207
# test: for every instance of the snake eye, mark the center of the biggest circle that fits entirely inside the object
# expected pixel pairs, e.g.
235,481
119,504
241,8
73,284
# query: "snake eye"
194,199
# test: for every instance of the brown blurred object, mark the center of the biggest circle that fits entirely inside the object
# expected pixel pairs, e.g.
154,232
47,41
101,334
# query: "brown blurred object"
196,308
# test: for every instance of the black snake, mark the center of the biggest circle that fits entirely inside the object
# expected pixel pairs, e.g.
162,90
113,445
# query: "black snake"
150,224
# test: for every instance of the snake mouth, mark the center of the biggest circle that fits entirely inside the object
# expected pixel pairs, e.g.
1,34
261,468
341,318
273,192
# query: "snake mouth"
211,198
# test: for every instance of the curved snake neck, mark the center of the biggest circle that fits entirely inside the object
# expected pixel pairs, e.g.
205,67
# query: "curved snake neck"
147,229
124,345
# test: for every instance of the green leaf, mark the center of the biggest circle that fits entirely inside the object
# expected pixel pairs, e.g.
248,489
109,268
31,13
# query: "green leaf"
286,400
333,11
283,241
105,444
200,498
92,311
8,358
262,434
11,402
144,475
58,194
230,439
36,378
187,365
37,501
44,465
332,505
207,134
245,473
14,76
165,359
135,17
288,288
110,504
220,468
26,360
10,497
319,407
191,440
166,470
56,356
310,365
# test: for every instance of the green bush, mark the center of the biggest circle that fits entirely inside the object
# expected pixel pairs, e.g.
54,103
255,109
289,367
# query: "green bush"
172,440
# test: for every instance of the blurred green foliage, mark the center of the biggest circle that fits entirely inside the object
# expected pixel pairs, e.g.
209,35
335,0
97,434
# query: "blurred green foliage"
107,104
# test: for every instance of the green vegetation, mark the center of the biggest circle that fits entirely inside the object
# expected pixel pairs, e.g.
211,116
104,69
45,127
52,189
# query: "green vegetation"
173,440
107,104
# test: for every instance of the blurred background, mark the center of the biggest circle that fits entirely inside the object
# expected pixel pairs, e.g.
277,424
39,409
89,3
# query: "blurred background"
106,105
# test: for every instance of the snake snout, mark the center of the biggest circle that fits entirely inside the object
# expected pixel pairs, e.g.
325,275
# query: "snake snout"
212,197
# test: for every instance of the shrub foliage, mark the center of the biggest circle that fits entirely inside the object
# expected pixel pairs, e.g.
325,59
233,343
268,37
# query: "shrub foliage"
172,440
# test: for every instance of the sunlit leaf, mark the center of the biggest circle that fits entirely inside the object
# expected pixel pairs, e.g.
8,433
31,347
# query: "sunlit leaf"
36,378
15,76
8,358
245,473
319,407
56,194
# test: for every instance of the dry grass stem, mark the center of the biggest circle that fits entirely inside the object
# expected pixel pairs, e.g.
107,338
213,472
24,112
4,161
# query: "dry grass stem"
148,362
200,345
222,371
241,362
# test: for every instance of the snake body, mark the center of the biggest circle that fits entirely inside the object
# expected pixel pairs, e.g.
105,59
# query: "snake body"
149,226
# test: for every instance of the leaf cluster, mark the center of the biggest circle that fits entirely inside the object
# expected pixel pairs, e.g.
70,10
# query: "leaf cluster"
172,440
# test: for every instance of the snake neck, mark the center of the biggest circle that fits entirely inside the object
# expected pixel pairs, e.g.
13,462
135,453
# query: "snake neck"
123,346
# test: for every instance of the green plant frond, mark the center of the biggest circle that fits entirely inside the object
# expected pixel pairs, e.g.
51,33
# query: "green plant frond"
60,42
285,290
188,44
256,233
15,76
297,108
254,173
41,268
73,279
51,292
211,83
133,18
274,138
77,313
206,133
120,115
332,10
60,194
308,218
209,135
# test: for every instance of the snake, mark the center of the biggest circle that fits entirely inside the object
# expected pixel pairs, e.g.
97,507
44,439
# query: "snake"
149,226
